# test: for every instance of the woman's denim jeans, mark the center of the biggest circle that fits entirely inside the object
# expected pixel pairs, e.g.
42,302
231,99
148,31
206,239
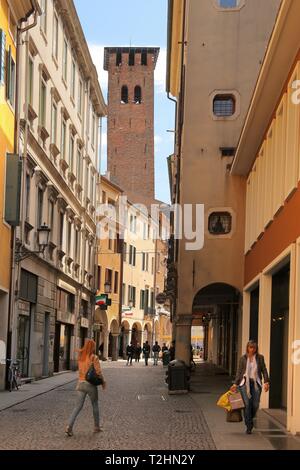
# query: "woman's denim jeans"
251,404
84,389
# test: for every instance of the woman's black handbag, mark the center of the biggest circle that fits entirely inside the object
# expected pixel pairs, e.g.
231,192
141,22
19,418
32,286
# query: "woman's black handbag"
92,377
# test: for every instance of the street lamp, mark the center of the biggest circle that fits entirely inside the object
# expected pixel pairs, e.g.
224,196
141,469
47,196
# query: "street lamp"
107,287
43,237
43,234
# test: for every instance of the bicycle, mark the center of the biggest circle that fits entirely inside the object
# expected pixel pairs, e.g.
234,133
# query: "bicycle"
14,375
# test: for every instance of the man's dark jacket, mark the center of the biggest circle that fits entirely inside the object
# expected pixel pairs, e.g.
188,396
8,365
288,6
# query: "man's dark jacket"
261,369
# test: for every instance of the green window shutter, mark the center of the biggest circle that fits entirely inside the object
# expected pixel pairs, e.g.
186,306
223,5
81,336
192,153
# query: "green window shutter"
8,74
2,55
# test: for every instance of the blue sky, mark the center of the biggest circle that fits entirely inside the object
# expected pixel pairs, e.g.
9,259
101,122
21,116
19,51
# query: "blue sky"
141,23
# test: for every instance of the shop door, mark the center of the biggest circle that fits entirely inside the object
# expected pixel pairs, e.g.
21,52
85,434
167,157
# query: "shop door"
46,345
279,340
23,343
56,347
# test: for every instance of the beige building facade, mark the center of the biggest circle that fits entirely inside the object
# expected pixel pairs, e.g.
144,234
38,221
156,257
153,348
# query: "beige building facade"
214,57
61,104
268,159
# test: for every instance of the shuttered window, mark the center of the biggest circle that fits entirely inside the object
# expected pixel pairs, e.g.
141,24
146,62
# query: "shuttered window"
2,55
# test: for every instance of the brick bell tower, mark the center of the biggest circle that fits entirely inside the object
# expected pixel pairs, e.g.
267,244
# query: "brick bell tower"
130,136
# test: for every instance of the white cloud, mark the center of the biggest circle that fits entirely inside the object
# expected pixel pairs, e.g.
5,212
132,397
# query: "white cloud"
158,139
160,72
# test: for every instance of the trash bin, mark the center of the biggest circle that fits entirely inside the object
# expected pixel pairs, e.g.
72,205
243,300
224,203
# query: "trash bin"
177,377
166,358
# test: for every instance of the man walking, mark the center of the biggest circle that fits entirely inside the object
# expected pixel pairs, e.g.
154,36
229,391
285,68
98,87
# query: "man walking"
138,351
156,351
130,353
146,352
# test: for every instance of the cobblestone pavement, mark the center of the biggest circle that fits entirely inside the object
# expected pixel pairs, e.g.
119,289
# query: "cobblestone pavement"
136,413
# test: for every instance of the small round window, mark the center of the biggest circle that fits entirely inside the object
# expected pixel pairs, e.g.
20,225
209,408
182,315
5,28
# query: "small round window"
224,105
220,223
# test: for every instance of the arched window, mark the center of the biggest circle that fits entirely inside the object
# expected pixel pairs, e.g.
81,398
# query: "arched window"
137,95
124,94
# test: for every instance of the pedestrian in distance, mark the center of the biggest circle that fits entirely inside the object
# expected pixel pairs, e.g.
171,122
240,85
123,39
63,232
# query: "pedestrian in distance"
87,357
130,353
146,352
172,351
156,350
164,348
138,352
248,382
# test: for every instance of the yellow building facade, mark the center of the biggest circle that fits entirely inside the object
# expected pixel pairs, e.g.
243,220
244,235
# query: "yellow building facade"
107,322
12,14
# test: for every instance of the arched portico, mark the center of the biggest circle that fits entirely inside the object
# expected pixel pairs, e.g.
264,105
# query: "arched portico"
216,307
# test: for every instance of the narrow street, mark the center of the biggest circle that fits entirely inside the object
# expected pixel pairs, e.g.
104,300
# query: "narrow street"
137,414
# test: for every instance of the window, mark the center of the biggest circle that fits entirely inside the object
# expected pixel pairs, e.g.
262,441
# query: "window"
51,215
224,105
131,58
77,246
133,221
123,294
2,55
73,79
220,223
132,295
94,130
65,61
27,196
145,261
63,139
30,80
69,237
124,94
116,283
228,3
92,189
44,16
54,124
43,98
10,78
70,303
142,300
108,276
40,208
125,252
79,166
80,94
132,255
61,228
71,154
227,151
55,37
110,240
99,277
137,95
144,58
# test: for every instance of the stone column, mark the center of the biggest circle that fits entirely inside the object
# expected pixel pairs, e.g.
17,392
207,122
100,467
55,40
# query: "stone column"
183,337
105,347
114,356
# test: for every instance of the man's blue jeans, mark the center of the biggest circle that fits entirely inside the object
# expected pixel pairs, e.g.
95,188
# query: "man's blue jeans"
251,404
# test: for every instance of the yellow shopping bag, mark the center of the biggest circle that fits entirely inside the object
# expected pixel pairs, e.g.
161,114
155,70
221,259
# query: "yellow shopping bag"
224,401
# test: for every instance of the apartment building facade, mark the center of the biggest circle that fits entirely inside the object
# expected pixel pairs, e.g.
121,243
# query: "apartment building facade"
110,269
268,159
214,57
13,15
61,105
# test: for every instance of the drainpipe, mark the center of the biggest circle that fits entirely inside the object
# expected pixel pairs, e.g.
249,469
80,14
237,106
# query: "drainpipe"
11,326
